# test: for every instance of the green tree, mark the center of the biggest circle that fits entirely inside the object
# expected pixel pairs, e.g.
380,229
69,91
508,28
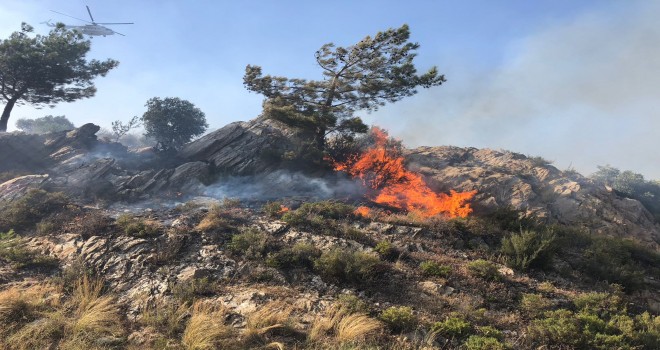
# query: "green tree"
172,122
44,125
363,76
44,70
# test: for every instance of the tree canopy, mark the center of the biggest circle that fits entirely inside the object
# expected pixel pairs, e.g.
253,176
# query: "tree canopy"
45,124
172,122
43,70
363,76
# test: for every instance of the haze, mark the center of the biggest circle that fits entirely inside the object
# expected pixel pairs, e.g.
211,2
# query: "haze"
575,82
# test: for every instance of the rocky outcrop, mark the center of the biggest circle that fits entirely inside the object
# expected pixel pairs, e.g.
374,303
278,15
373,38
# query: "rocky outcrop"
244,148
508,179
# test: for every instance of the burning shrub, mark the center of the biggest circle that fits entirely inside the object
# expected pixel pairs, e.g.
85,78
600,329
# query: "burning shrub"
383,171
275,210
137,227
347,265
399,318
528,248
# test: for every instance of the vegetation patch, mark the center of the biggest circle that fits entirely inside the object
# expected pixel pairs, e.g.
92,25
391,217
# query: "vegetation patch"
432,268
484,269
528,249
399,318
346,265
138,227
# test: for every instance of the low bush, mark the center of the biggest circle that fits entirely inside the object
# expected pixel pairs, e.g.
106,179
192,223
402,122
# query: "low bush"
452,328
534,304
300,255
480,342
347,265
274,210
226,216
386,250
36,205
528,249
399,318
249,243
318,214
484,269
134,226
432,268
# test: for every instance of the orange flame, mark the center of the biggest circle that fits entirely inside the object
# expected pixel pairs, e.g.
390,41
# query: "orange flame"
283,209
362,211
393,185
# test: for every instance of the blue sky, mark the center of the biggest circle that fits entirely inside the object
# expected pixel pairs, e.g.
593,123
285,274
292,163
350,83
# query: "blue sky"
576,82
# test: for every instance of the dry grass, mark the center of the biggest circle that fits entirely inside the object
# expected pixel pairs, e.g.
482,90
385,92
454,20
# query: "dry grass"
205,329
35,317
342,326
276,315
167,318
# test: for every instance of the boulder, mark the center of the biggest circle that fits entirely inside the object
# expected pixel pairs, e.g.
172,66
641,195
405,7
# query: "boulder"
244,148
508,179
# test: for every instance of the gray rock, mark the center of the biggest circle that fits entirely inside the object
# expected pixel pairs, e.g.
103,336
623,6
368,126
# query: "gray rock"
244,148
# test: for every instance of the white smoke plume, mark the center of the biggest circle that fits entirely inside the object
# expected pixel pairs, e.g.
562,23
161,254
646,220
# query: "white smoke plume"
583,92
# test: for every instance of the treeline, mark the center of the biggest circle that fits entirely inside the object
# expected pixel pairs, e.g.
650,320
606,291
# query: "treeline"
632,185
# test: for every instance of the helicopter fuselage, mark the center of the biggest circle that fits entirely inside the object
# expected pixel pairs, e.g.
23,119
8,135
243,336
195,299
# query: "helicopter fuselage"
92,29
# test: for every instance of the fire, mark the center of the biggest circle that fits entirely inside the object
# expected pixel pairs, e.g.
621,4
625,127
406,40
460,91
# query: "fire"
283,209
391,184
362,211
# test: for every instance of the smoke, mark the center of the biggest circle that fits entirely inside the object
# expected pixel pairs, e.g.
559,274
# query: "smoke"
284,184
583,92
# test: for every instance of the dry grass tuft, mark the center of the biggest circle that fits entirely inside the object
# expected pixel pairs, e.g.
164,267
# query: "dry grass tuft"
205,329
343,326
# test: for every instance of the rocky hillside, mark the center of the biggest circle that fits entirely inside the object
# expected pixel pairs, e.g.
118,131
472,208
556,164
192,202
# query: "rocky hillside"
107,248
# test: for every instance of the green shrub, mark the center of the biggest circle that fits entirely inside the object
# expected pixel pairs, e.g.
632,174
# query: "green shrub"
347,265
492,332
251,243
452,328
620,261
479,342
137,227
300,255
352,304
32,208
534,304
317,214
484,269
399,318
432,268
528,249
385,249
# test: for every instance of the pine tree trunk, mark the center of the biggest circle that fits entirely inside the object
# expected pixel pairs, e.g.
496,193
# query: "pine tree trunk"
4,120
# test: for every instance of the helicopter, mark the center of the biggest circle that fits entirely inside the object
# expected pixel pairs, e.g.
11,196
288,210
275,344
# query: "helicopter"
91,29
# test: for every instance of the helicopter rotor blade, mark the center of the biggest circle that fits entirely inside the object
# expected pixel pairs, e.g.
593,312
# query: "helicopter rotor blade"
90,13
64,14
116,23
